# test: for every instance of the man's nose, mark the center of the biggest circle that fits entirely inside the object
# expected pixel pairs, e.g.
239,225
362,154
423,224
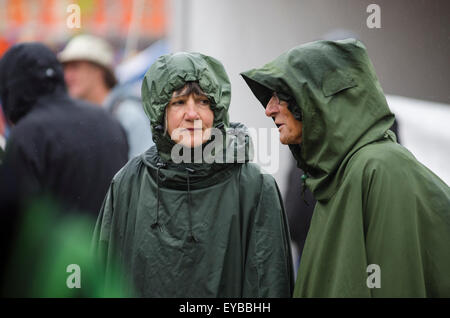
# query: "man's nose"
271,109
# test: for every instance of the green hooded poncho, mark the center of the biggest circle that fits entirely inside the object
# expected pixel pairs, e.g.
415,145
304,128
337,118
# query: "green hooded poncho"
195,229
376,204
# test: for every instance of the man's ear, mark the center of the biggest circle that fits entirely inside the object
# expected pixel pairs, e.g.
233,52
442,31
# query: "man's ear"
337,81
295,110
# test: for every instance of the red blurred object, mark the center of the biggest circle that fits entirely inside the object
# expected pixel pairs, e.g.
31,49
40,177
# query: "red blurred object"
4,46
2,123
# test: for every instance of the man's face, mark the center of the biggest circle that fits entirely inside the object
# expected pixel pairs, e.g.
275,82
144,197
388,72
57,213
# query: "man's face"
188,118
81,78
290,128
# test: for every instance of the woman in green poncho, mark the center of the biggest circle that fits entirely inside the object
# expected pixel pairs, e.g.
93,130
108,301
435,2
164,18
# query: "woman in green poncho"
195,229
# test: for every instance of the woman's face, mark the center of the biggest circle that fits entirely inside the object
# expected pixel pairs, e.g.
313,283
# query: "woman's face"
188,119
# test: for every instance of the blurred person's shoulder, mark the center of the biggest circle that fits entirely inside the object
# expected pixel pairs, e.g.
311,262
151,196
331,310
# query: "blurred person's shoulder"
99,118
92,110
49,112
133,169
122,97
31,126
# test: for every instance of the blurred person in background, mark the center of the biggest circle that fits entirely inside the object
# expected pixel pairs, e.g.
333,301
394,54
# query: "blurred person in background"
378,210
3,132
88,71
195,229
60,157
57,145
41,242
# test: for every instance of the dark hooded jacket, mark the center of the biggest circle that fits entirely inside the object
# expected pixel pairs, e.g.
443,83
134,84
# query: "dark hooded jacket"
376,204
195,229
57,145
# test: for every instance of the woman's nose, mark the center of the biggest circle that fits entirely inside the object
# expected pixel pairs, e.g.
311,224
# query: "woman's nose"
191,110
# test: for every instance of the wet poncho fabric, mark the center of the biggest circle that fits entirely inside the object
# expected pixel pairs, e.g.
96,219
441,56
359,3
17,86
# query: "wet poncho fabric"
195,229
376,203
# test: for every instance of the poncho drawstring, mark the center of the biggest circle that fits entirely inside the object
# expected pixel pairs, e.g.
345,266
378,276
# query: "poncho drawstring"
191,233
304,177
156,223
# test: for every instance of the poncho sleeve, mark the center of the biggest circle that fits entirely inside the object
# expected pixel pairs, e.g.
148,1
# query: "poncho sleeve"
407,230
102,231
107,231
268,268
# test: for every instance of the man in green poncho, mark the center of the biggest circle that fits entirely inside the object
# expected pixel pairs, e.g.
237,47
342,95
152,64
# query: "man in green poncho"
195,229
381,226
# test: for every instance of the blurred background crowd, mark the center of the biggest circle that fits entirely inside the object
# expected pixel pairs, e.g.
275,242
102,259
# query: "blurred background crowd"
410,52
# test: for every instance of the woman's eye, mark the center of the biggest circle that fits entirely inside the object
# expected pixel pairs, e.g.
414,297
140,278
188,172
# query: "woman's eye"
205,101
178,102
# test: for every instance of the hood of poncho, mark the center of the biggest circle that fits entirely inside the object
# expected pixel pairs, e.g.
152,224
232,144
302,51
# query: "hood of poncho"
170,72
334,87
